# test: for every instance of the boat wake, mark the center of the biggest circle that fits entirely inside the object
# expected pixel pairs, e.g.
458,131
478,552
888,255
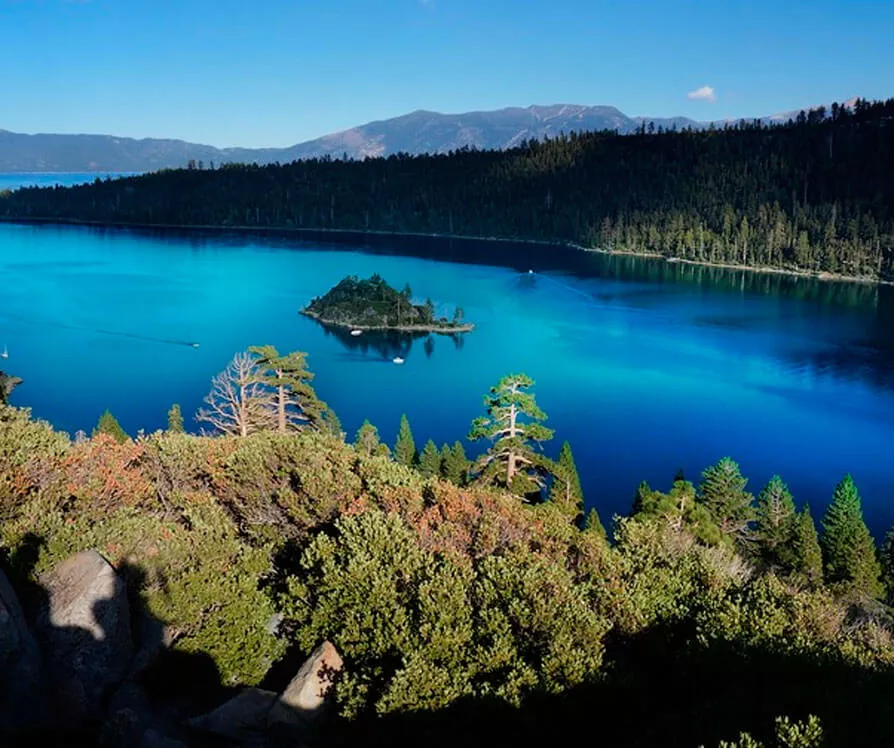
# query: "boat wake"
102,331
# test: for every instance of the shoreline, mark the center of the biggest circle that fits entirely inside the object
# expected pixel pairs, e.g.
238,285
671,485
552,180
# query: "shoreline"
298,232
455,330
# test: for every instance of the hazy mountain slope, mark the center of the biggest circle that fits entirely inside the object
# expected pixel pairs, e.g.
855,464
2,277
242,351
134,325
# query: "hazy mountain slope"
417,132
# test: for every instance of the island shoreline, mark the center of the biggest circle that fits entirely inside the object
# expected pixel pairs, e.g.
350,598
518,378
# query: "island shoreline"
349,233
439,330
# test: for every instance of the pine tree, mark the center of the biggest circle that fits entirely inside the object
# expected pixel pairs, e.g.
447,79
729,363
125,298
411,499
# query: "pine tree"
455,467
405,446
807,557
776,518
594,525
513,425
295,402
332,425
367,441
430,460
849,553
109,425
566,491
723,493
641,498
175,419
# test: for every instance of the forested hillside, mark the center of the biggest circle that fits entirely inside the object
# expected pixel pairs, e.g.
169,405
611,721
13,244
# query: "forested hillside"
814,194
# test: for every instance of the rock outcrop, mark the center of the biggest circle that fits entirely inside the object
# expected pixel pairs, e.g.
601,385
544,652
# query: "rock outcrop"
255,715
84,630
305,696
77,669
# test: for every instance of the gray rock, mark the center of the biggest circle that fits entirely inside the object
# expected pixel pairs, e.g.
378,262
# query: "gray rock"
243,717
84,629
305,696
21,694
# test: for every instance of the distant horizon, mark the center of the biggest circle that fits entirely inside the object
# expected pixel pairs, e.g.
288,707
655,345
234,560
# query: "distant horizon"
645,117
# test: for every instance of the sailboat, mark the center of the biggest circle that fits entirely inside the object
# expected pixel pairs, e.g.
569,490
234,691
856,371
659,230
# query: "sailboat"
5,353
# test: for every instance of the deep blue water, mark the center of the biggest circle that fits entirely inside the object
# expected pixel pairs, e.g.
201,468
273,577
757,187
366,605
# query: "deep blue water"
645,367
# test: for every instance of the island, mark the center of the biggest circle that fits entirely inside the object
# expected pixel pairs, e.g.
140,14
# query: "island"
374,305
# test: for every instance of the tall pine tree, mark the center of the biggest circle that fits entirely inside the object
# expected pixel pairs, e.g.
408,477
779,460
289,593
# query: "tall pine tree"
405,446
806,556
565,491
513,425
849,553
722,492
776,518
455,465
295,402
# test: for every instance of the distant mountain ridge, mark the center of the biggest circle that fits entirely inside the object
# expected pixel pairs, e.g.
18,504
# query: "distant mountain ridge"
417,132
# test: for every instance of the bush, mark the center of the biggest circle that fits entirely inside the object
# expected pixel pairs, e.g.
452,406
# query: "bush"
30,457
419,629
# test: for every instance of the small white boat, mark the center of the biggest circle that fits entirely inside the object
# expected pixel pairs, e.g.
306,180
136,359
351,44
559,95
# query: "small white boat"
5,353
355,333
398,360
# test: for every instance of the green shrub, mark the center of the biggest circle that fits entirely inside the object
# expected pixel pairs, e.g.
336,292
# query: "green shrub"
418,630
30,456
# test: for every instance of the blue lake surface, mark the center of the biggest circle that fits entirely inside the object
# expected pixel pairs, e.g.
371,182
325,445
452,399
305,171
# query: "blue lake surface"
52,179
644,366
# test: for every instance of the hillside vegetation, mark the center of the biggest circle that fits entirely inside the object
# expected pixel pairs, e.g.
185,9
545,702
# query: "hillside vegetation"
469,599
813,195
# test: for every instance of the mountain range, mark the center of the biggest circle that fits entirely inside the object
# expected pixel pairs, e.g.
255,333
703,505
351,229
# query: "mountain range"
418,132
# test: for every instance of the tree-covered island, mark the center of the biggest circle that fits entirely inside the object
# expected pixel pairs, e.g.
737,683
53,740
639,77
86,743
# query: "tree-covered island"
374,305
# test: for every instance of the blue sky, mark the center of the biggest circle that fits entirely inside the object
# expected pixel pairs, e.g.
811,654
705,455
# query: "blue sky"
277,72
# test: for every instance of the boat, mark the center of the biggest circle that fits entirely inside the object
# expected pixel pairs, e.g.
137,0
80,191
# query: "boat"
355,333
5,353
398,360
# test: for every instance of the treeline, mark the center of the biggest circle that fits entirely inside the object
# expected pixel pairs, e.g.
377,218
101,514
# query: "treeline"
813,194
263,390
471,599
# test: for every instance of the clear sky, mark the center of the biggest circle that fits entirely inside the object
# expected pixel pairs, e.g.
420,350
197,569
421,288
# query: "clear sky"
278,72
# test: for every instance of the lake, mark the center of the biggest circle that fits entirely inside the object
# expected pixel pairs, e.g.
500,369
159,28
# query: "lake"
646,367
52,179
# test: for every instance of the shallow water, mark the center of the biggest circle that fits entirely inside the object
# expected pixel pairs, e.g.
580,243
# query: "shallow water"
643,366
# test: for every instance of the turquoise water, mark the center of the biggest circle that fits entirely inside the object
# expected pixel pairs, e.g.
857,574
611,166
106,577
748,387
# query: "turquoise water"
44,179
643,366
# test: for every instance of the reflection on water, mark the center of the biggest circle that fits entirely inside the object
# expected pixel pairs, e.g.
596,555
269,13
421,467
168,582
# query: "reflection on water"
388,344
